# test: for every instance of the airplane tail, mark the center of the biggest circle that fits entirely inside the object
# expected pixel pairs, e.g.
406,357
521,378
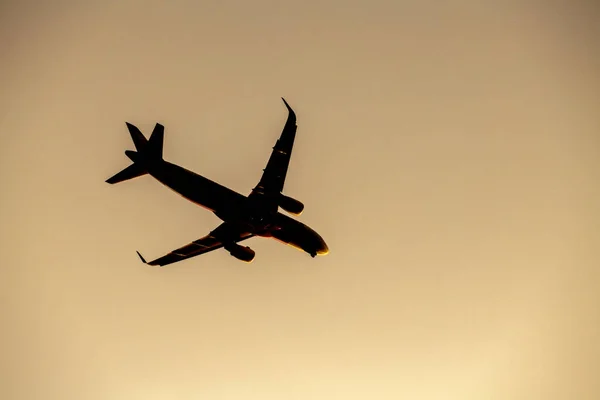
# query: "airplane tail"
147,150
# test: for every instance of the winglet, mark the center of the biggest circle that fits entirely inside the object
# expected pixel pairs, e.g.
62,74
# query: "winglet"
286,104
141,258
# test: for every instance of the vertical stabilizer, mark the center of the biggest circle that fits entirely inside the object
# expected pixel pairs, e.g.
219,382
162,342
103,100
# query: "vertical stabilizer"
147,150
154,148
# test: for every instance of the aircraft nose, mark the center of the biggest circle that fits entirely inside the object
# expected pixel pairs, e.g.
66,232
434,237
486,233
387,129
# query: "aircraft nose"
322,248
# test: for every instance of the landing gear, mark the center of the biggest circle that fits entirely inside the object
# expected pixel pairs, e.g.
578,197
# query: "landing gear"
313,255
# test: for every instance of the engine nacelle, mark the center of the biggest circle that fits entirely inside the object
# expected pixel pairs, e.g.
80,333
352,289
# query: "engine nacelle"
290,205
243,253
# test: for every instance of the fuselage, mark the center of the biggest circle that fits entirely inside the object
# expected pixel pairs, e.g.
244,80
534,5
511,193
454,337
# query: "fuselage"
235,208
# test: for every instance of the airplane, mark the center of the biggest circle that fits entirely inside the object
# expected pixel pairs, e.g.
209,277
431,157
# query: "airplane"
243,217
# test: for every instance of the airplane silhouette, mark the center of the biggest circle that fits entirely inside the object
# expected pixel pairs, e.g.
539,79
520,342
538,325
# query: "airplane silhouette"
243,216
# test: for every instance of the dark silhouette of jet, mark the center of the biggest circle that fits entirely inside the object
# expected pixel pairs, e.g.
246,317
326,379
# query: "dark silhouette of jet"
243,216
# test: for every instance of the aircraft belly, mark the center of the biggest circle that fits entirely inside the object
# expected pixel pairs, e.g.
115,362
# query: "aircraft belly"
298,235
290,232
198,189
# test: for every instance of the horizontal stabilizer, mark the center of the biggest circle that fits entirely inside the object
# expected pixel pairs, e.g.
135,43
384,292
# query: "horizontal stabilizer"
133,171
137,136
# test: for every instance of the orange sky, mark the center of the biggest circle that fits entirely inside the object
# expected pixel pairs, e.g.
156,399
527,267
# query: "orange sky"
448,155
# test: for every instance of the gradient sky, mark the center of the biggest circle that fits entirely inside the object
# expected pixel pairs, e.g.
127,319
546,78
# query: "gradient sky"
448,154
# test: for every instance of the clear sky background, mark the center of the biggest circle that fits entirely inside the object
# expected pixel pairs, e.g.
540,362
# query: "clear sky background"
447,153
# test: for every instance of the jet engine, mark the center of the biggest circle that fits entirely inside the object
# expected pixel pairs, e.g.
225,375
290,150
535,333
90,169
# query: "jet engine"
243,253
290,205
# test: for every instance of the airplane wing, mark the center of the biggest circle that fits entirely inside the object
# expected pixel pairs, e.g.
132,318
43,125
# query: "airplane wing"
273,177
203,245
